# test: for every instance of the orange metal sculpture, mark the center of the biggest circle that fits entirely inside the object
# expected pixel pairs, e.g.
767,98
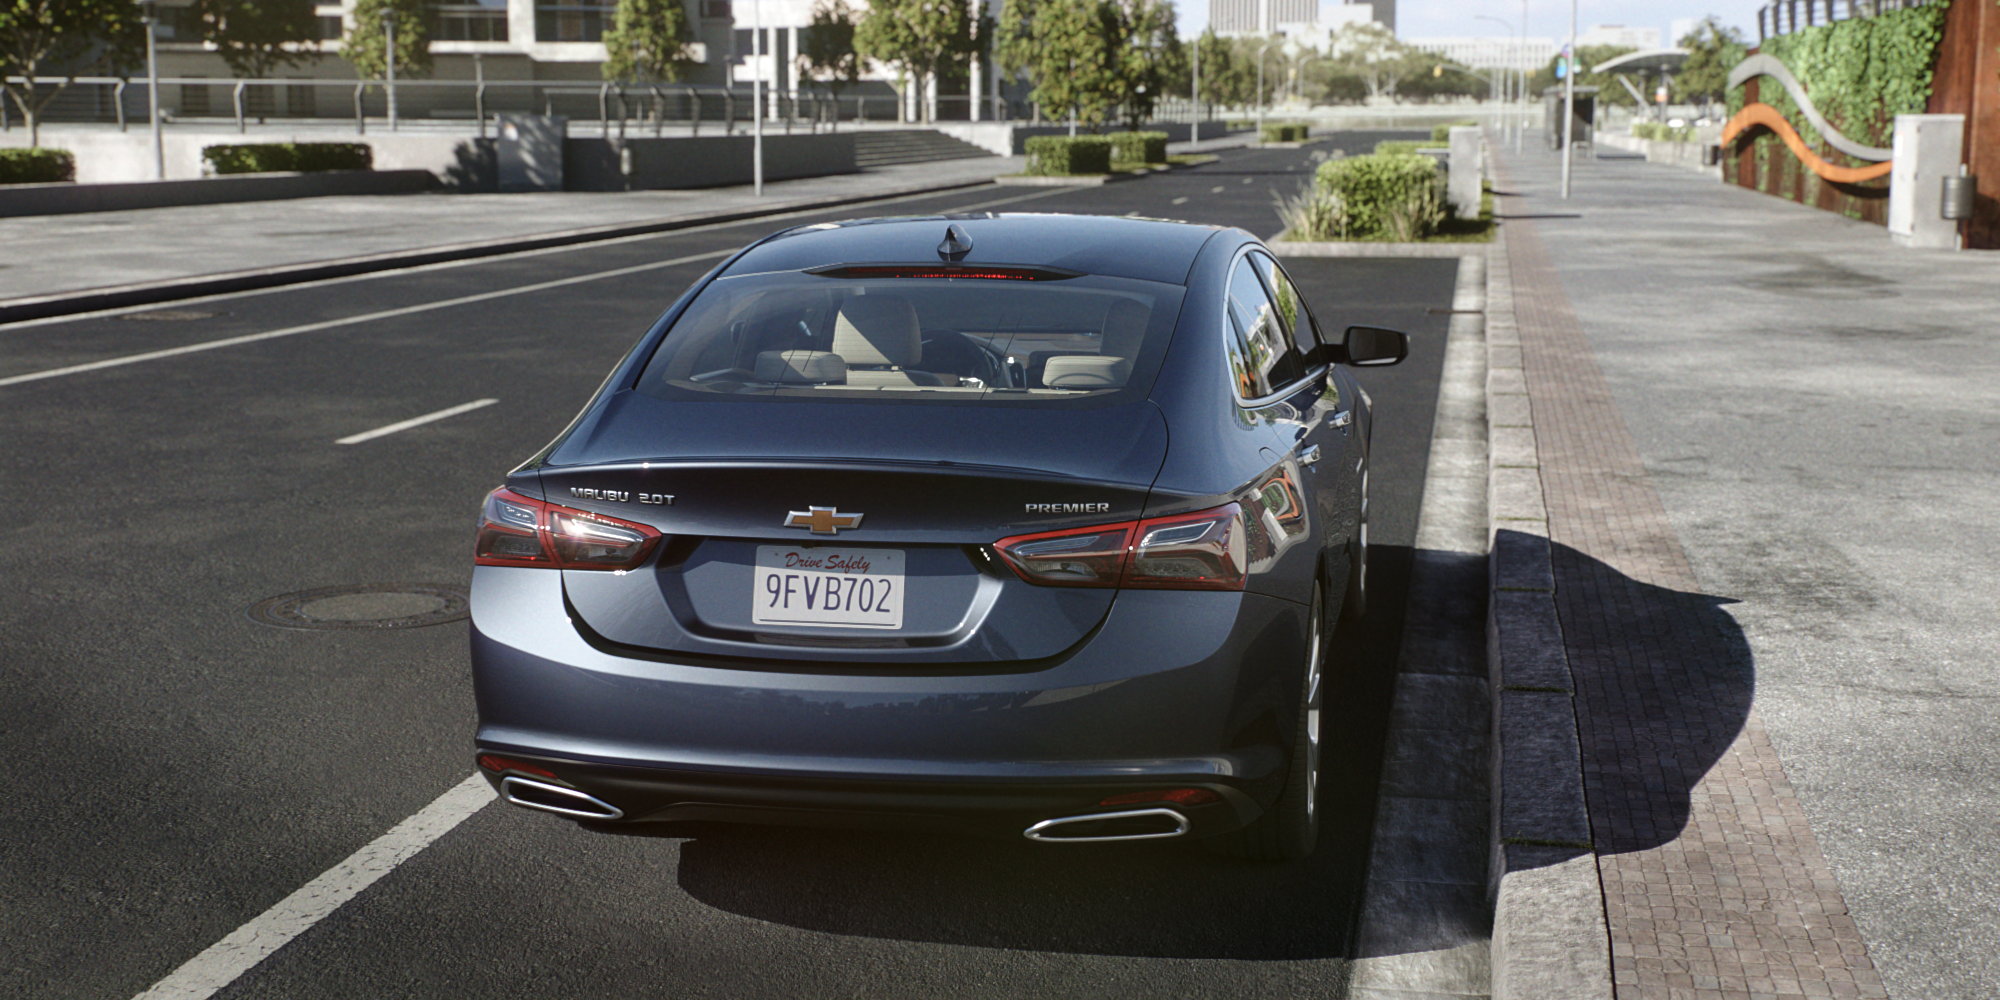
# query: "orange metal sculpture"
1769,117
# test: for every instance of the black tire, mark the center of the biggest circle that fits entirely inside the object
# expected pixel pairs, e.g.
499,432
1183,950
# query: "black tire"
1289,830
1354,604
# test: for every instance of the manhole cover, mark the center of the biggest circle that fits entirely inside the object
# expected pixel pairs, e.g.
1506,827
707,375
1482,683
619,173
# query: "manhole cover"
170,315
377,605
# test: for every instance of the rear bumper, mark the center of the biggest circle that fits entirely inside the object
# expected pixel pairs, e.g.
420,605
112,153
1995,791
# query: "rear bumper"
1176,690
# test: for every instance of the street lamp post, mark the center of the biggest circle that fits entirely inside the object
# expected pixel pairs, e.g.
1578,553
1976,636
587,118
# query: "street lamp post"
389,47
1511,118
152,21
757,99
1194,95
1569,101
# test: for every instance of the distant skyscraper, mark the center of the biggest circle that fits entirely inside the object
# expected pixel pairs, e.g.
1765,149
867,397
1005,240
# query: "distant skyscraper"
1385,12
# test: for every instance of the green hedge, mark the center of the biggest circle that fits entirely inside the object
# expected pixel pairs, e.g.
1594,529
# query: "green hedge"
1056,155
36,165
1139,147
275,157
1285,132
1442,133
1384,197
1403,147
1662,132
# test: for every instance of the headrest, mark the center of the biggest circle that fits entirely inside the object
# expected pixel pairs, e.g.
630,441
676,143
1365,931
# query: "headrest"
1125,328
877,330
1085,371
813,367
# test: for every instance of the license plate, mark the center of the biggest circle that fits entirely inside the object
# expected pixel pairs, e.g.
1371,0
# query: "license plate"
828,586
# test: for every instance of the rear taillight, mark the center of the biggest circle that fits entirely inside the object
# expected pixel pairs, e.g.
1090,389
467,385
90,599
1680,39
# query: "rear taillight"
1200,551
515,530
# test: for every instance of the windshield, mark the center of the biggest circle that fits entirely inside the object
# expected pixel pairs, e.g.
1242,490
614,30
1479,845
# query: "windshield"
799,335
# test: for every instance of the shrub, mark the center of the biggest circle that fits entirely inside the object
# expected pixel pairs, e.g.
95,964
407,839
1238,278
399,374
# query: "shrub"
1385,197
1056,155
303,157
1403,147
1139,147
1284,132
1442,133
1662,132
1312,215
36,165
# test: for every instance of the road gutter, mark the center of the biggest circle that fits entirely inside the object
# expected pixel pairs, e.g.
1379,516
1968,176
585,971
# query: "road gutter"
1423,924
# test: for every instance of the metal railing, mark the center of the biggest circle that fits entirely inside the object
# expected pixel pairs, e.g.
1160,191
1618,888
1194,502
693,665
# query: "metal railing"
614,107
1786,16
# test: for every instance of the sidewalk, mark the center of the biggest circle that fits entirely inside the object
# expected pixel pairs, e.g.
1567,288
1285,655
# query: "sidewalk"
66,253
1766,442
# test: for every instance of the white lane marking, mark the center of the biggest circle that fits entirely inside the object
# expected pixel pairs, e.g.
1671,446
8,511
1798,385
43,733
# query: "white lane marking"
403,425
1215,190
1180,201
228,959
1246,180
293,331
25,324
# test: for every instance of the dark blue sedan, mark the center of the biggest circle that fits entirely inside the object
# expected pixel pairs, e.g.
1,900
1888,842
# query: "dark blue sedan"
1022,524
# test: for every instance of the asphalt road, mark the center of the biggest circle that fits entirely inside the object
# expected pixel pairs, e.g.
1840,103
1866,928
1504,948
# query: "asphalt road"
175,768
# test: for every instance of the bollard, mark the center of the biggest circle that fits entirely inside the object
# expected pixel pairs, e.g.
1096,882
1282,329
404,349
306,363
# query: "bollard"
1928,150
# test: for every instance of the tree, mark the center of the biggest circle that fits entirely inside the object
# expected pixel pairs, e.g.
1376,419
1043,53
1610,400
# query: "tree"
1146,52
1221,77
921,38
829,54
1370,51
365,45
1713,50
649,41
73,35
1441,80
256,37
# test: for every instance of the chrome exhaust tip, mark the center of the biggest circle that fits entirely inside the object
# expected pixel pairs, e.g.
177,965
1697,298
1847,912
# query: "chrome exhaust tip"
1132,824
556,799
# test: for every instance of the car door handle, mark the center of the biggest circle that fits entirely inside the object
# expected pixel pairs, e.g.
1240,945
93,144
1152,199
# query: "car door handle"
1309,455
1342,418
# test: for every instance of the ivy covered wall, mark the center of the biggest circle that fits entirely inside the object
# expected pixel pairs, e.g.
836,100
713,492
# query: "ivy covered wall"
1861,74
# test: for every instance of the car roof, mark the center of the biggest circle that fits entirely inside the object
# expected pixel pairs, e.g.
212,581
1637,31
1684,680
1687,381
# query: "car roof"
1148,249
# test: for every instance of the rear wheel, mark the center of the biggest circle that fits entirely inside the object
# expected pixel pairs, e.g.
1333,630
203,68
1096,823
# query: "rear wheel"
1290,828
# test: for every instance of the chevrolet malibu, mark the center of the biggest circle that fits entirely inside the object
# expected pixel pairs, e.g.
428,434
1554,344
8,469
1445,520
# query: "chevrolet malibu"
1029,525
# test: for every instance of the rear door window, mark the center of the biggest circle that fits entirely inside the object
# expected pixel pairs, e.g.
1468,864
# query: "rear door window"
1262,356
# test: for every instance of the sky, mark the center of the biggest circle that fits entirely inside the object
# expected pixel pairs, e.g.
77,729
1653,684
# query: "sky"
1547,18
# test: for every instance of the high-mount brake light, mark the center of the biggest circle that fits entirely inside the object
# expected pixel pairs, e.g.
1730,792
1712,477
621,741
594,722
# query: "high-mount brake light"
986,272
516,530
1205,550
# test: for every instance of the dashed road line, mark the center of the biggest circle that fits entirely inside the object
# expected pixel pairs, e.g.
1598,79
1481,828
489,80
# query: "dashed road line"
1216,189
403,425
1181,200
227,960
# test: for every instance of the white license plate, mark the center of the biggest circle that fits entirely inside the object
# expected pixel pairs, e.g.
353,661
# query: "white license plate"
828,585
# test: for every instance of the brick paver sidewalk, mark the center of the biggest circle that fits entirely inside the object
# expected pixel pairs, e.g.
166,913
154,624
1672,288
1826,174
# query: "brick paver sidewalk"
1713,883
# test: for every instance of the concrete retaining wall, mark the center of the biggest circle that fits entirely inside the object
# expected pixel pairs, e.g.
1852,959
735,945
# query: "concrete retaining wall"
65,199
1679,154
594,164
1010,140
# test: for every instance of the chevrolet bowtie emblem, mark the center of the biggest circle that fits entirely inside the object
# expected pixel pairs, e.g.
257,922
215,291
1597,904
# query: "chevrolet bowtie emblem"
822,520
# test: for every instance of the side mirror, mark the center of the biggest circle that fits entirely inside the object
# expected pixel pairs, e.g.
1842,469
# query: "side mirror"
1374,346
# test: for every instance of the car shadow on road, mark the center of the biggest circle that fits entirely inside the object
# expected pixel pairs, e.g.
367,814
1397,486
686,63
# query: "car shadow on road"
1161,900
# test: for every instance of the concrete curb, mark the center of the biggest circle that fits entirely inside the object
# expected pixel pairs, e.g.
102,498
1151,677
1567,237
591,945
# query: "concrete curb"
1550,940
20,201
193,286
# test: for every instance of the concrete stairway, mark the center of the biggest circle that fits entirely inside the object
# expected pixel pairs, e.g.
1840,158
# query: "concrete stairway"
887,147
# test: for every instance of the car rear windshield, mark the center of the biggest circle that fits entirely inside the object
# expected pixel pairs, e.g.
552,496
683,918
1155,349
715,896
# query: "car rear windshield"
1080,340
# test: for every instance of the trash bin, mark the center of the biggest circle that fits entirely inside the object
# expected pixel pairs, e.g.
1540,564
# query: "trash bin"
1586,115
529,152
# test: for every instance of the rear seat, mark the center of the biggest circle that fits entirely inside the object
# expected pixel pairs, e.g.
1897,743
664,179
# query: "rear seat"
879,338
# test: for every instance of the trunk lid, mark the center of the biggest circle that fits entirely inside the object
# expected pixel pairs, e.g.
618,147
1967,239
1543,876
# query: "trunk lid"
913,496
